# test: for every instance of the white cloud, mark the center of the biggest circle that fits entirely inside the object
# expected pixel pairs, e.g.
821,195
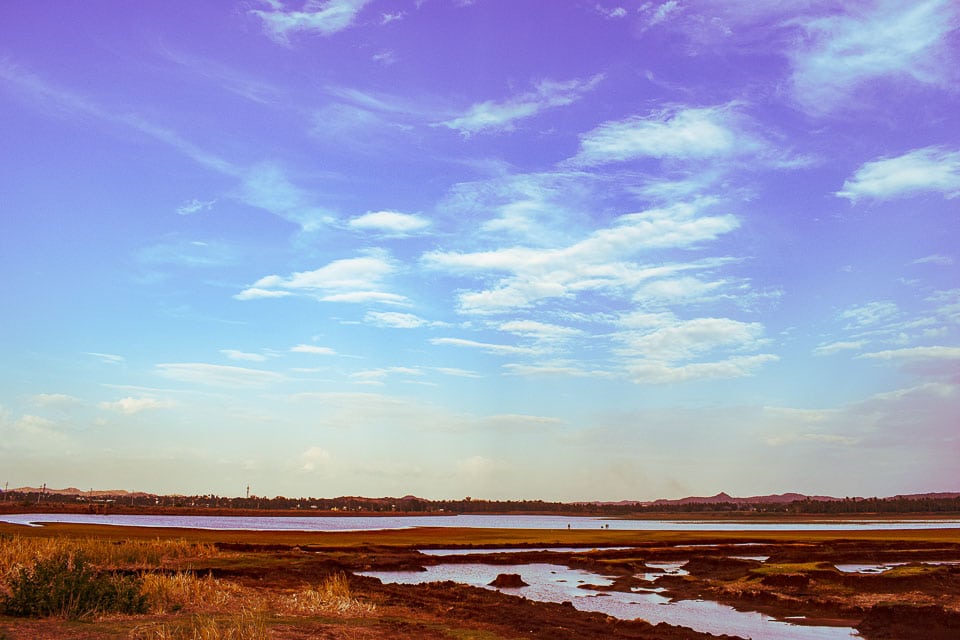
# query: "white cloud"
195,206
501,116
254,293
561,369
495,349
613,13
385,58
682,340
394,320
870,314
131,406
217,375
685,134
234,354
387,18
665,373
390,222
663,11
916,354
888,40
926,170
377,376
937,259
55,400
836,347
108,358
540,330
323,17
598,263
313,350
347,280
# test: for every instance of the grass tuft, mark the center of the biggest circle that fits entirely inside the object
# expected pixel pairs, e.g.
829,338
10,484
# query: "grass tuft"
331,596
246,625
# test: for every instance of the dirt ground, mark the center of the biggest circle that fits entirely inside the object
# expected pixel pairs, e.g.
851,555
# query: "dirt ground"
915,600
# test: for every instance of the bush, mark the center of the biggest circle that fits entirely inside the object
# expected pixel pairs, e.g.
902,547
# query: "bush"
65,585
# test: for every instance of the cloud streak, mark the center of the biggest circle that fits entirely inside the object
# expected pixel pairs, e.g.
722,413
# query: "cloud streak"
926,170
491,116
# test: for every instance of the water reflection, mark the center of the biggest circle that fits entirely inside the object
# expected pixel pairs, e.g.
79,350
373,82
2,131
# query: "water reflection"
556,583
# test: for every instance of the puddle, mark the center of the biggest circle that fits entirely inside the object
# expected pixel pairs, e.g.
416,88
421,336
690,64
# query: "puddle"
756,558
667,569
557,583
885,566
472,551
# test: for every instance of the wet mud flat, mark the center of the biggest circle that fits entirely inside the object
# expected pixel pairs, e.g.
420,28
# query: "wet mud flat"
790,576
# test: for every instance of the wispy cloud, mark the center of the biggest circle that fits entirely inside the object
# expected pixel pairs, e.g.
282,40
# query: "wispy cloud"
502,116
267,186
915,354
391,223
394,319
313,350
108,358
234,354
936,258
316,16
926,170
602,262
887,40
540,330
130,406
655,372
611,12
55,400
217,375
831,348
494,349
195,206
870,314
679,133
348,280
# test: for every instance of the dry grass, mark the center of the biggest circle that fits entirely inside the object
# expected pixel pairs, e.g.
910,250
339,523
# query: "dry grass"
331,597
185,592
26,551
246,625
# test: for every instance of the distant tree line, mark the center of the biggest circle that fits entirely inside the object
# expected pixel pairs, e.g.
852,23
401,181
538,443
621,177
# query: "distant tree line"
898,505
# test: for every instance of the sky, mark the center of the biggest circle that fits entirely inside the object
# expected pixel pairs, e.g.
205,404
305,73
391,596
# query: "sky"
579,250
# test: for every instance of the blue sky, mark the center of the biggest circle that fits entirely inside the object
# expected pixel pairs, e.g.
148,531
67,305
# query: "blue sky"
577,250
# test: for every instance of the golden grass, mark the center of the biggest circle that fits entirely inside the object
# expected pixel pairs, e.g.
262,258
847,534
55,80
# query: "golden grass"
135,553
331,597
187,592
247,625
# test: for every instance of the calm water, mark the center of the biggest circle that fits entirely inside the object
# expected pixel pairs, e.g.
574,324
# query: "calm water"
557,583
373,523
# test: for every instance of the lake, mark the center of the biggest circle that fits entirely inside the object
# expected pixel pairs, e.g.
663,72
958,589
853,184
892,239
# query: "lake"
375,523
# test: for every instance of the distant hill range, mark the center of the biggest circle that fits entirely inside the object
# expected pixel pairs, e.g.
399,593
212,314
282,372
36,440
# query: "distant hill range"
779,498
720,498
73,491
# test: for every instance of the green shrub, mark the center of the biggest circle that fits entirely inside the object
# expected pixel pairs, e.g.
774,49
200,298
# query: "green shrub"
65,585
